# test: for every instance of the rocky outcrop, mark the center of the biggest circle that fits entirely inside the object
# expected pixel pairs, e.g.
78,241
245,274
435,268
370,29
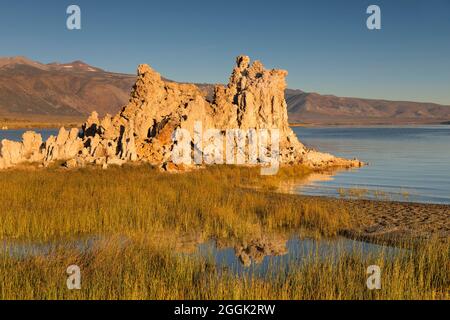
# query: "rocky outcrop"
146,128
66,145
29,150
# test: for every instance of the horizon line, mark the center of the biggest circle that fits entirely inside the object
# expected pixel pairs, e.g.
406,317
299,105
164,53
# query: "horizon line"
406,100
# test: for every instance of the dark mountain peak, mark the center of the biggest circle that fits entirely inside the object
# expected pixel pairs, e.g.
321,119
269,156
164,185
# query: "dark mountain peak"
79,62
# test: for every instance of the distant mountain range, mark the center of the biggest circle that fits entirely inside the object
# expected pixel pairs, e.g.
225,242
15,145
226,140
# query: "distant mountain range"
32,90
314,108
29,89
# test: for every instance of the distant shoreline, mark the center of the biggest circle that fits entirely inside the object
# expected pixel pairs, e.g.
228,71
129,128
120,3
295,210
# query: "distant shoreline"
367,124
51,123
18,124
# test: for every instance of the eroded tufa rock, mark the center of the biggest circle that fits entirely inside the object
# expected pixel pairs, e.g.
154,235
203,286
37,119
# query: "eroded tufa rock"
144,129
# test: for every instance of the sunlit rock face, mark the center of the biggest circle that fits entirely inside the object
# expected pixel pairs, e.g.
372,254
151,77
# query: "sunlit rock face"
144,130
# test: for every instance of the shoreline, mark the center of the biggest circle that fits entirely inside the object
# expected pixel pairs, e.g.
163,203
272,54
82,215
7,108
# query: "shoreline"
364,125
392,221
39,123
75,123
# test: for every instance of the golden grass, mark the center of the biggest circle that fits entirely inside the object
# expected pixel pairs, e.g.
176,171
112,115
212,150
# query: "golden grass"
152,209
149,271
41,205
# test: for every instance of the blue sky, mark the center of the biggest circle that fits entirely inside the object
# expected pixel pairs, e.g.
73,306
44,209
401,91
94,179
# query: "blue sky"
324,44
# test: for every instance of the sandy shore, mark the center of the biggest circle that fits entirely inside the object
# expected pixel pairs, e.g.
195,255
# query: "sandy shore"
393,221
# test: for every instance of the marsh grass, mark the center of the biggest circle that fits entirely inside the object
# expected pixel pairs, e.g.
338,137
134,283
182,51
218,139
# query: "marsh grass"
354,193
362,193
42,205
151,210
142,270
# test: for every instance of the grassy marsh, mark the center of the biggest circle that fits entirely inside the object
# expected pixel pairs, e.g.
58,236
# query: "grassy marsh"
152,210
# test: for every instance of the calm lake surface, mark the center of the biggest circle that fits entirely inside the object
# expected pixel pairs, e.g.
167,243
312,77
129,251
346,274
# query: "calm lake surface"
16,135
407,163
299,252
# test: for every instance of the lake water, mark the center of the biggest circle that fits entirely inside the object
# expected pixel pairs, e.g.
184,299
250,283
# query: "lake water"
299,252
407,163
16,135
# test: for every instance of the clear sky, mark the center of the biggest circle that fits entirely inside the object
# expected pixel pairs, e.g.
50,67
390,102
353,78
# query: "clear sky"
324,44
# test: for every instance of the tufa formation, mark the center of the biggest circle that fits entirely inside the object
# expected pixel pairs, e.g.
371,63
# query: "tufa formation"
143,131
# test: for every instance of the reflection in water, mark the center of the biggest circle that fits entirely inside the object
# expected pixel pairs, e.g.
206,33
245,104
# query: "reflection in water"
320,184
255,250
296,185
294,252
258,257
